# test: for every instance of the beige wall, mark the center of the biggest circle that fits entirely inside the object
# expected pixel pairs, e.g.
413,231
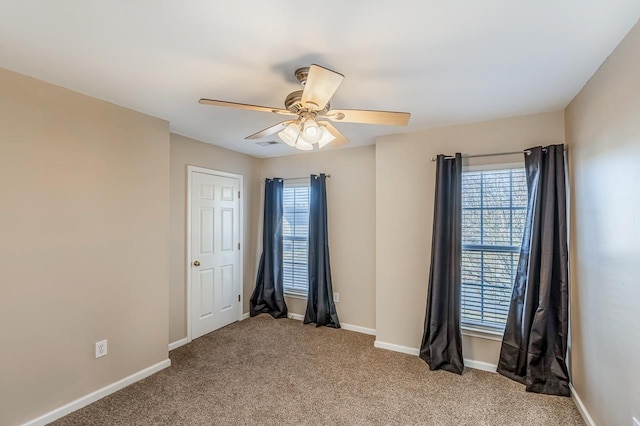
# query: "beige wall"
184,152
351,218
84,244
405,181
603,129
92,232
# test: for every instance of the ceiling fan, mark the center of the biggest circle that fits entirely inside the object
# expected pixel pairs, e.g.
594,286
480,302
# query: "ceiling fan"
312,114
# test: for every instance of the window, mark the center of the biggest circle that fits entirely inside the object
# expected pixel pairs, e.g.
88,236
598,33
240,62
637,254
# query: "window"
494,204
295,230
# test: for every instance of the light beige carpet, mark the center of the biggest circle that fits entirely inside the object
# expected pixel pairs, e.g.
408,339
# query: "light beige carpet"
263,371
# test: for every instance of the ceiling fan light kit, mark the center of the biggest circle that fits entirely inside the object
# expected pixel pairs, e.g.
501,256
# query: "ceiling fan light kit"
304,146
311,131
325,137
305,135
290,134
313,110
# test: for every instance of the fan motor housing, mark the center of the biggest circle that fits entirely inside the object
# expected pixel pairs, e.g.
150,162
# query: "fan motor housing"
293,103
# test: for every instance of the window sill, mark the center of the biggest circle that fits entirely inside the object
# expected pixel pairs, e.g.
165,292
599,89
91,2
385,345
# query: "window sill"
482,333
295,295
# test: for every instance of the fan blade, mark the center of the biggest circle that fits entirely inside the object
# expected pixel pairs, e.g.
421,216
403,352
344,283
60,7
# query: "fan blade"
250,107
388,118
321,84
270,130
340,138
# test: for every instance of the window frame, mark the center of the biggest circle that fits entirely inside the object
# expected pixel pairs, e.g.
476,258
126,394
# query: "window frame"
297,183
476,329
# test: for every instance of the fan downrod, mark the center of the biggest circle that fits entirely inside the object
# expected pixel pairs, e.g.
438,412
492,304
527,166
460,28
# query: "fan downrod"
301,75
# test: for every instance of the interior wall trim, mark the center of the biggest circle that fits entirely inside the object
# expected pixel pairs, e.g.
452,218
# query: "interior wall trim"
179,343
396,348
245,316
96,395
481,365
481,334
349,327
471,363
581,407
358,329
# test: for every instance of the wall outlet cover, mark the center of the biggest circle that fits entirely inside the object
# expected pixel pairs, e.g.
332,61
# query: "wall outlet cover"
336,297
101,348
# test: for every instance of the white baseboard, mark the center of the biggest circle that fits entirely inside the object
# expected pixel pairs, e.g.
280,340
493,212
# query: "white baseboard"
179,343
245,316
99,394
471,363
358,329
581,408
481,365
349,327
396,348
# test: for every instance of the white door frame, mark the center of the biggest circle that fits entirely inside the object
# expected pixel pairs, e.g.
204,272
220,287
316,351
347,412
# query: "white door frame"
190,170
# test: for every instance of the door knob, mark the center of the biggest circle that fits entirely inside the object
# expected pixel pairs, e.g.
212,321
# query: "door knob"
196,263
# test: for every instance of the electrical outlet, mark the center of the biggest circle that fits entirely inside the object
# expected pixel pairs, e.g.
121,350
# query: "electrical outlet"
101,348
636,422
336,297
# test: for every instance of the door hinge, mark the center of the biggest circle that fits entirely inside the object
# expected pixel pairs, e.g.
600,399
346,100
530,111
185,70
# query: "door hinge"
238,298
238,246
238,194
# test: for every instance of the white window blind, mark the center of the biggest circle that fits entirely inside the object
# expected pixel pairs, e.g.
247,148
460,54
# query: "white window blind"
295,231
494,206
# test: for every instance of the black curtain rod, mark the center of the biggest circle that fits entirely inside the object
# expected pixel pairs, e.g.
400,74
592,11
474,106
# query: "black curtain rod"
526,151
495,154
302,177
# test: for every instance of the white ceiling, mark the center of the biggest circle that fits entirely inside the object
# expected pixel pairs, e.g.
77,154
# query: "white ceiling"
445,62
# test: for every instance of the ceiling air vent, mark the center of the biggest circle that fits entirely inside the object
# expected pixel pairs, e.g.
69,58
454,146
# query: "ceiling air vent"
267,143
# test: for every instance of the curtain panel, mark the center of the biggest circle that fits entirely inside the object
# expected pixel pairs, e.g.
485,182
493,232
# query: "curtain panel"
441,344
320,307
268,295
534,346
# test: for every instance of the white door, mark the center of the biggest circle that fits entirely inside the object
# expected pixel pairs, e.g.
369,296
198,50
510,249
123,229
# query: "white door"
215,252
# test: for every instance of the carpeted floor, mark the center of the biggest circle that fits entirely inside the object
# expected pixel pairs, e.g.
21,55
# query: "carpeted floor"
263,371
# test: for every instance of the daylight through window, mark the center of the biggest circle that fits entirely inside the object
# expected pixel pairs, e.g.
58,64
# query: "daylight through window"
295,231
493,215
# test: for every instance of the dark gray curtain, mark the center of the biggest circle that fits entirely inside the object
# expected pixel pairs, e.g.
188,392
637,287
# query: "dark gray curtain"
320,306
268,295
534,346
442,341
